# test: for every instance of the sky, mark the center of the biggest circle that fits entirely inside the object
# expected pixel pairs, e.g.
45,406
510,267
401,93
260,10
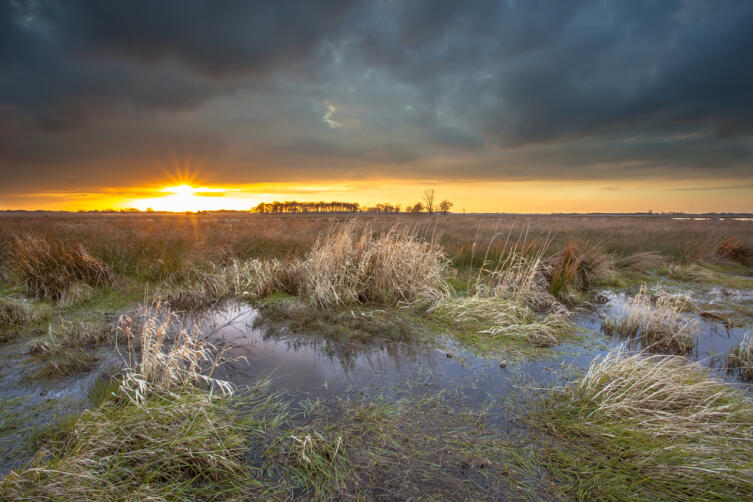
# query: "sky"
511,106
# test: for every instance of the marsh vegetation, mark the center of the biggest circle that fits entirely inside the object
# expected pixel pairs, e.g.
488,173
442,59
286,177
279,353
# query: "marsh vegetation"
275,357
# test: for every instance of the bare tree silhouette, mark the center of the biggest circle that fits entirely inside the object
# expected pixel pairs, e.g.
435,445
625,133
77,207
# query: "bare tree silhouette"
429,196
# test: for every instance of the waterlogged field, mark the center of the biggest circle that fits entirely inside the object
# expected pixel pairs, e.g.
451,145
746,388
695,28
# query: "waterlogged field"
226,357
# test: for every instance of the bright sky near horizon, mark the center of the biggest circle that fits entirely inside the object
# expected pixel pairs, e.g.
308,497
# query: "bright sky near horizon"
572,106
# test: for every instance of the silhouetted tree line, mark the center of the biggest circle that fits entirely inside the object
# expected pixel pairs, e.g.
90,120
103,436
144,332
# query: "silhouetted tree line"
296,207
293,206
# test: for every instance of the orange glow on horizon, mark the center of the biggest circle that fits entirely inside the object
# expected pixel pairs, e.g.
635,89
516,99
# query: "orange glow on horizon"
546,196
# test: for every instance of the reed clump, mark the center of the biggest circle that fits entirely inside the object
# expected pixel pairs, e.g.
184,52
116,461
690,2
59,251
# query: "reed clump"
658,324
740,359
655,426
47,268
163,357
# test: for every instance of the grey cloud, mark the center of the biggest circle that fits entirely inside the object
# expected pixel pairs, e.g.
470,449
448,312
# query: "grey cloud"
486,89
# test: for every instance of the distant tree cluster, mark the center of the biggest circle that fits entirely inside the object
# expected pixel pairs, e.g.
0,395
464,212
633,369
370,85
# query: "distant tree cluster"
295,207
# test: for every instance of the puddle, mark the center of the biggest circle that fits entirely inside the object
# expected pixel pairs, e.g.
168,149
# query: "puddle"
312,365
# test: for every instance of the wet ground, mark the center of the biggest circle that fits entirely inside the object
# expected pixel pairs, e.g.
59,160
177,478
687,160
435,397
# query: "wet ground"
313,367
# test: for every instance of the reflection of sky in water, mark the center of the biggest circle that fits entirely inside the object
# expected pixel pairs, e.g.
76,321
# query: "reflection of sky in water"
312,364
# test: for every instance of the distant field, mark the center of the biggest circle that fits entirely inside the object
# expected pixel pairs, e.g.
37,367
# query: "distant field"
154,245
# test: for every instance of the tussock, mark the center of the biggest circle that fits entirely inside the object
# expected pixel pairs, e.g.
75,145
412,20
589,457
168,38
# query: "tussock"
577,268
690,273
740,359
192,290
642,262
736,251
497,317
66,347
165,434
65,334
255,278
350,265
76,293
15,311
515,276
47,268
659,325
660,425
356,265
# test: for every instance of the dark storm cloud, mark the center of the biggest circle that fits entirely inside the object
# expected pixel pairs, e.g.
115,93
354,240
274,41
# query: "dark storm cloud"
505,89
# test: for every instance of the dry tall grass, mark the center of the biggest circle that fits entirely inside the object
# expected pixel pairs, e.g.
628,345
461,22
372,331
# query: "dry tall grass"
163,357
658,423
740,358
154,246
353,264
659,325
15,311
49,267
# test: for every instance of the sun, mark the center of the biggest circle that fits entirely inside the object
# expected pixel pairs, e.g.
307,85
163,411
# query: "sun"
184,197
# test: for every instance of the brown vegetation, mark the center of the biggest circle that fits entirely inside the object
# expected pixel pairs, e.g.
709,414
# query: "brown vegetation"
736,251
48,267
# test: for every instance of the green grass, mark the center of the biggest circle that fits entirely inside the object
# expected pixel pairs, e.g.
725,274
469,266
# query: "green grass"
495,327
190,446
185,446
425,447
348,325
647,428
728,276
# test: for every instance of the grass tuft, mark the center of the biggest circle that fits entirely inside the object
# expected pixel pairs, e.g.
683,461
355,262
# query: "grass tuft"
49,268
740,359
190,445
353,264
736,251
497,318
650,426
15,312
576,269
658,324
